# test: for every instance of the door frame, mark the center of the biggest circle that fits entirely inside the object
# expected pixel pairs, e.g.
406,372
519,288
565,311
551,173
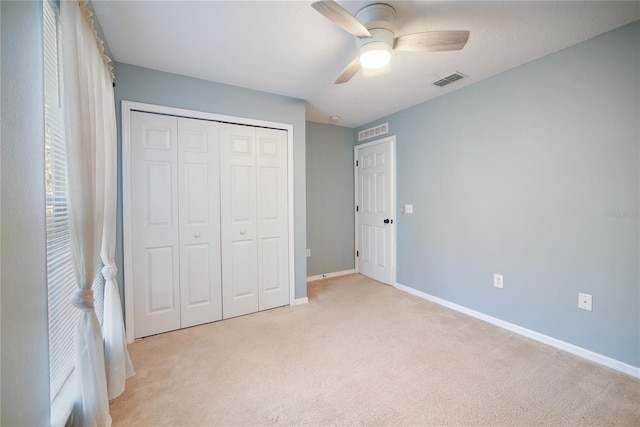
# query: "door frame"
129,106
392,140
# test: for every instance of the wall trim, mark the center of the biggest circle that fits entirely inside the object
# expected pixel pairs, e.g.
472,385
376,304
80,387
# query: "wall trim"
301,301
545,339
328,275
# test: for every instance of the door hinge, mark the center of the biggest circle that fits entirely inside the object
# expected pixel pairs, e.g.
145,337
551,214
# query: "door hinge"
357,208
357,253
357,163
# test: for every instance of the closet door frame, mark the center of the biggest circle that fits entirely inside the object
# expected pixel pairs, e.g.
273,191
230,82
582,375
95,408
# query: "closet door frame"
127,108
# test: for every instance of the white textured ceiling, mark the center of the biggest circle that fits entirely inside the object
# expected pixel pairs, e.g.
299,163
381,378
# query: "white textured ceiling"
288,48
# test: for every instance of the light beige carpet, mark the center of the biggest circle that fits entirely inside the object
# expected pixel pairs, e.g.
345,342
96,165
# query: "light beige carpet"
363,353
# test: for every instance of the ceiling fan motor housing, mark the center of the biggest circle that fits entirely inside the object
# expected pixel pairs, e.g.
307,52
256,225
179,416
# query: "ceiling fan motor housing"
377,15
378,35
378,18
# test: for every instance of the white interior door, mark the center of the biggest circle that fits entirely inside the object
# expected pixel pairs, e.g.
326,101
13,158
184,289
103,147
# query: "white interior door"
238,220
199,205
375,212
154,219
273,229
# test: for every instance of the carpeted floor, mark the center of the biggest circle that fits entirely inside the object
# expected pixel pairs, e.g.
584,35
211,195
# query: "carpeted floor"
363,353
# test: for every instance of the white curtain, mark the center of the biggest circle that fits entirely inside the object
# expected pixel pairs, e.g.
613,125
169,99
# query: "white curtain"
91,168
118,363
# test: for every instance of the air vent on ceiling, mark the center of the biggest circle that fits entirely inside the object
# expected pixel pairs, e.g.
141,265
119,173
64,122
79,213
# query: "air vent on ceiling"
374,131
449,79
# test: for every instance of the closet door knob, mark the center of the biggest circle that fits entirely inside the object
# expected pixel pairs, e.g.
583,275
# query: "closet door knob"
243,231
196,236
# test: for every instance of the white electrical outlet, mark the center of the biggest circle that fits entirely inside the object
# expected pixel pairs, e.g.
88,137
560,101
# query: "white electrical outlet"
585,301
498,280
408,209
308,253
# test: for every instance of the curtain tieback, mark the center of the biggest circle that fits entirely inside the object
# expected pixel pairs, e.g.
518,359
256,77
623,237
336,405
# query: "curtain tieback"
83,299
110,271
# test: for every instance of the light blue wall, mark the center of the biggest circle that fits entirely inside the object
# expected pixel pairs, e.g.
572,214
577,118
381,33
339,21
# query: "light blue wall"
155,87
533,174
330,220
24,329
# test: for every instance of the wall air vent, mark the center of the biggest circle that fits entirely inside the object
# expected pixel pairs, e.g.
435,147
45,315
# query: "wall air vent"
374,131
449,79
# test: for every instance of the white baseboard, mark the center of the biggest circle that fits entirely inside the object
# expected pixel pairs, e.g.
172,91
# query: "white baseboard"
301,301
545,339
328,275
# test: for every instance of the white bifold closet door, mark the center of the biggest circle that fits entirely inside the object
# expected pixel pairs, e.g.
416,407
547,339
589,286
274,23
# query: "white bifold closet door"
175,222
253,219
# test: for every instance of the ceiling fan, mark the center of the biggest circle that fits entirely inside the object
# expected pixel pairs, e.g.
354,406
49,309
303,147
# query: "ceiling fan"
373,28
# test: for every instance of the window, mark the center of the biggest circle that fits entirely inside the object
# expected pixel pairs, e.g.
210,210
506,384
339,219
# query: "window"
60,280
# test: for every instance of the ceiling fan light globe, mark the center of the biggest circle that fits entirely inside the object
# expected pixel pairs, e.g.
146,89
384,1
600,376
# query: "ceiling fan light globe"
375,55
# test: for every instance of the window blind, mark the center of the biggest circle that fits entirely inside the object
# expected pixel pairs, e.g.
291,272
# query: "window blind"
60,280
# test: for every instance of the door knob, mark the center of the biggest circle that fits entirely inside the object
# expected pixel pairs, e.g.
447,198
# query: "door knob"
388,221
196,236
243,231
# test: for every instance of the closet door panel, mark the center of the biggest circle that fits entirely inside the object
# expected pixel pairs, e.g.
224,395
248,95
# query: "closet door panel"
242,284
196,271
272,210
159,268
238,220
270,269
199,195
155,253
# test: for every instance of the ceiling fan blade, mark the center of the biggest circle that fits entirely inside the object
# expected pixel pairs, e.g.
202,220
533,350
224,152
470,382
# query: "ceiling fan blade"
432,41
339,16
348,72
